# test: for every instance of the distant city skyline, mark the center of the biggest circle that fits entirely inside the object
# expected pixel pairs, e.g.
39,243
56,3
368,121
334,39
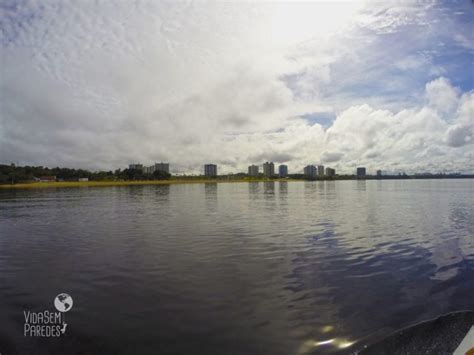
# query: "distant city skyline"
268,170
387,85
282,170
254,170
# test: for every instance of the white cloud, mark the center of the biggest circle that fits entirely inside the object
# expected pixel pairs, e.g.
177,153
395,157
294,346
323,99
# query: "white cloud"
411,62
442,96
413,139
462,132
464,41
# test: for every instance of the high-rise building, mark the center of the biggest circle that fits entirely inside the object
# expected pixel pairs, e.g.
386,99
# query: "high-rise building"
253,170
320,170
361,172
148,169
135,166
330,172
164,167
210,170
268,169
283,171
310,171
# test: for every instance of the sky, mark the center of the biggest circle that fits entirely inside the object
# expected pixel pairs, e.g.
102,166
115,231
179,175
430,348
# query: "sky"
100,84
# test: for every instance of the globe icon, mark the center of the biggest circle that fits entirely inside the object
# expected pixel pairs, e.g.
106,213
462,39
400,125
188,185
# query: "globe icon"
63,302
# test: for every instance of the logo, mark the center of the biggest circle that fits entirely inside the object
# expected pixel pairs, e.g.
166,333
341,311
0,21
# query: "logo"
48,323
63,302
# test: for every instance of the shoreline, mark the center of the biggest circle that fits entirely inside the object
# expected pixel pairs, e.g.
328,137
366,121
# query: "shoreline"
41,185
60,184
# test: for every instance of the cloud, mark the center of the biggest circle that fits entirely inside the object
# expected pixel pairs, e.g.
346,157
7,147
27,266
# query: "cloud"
386,18
271,156
413,139
464,41
462,132
441,95
459,135
411,62
331,157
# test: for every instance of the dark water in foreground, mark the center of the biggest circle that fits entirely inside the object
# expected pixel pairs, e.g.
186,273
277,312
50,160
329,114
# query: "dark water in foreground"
259,268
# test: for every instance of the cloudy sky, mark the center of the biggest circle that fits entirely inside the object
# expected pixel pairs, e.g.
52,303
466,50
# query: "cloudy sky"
99,84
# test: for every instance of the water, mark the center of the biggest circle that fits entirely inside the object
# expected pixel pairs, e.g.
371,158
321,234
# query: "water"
238,268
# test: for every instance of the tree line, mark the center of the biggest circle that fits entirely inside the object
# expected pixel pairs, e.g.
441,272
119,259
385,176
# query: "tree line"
12,174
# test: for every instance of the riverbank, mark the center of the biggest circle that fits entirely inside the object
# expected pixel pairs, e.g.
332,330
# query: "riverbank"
34,185
172,181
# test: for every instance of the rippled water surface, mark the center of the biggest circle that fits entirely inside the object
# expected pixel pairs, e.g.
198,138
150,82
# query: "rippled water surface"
237,268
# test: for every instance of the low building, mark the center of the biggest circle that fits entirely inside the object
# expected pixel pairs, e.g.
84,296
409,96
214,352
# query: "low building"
361,172
210,170
310,171
253,170
379,172
269,169
83,179
47,178
320,170
283,171
330,172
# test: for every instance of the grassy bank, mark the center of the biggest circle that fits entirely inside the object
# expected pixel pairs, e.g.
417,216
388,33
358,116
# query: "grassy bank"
197,180
34,185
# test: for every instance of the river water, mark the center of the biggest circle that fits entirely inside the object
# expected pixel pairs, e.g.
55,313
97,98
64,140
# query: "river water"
234,268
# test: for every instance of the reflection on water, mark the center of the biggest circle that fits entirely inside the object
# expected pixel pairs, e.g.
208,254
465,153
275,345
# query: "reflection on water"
361,185
269,187
254,188
210,188
238,268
